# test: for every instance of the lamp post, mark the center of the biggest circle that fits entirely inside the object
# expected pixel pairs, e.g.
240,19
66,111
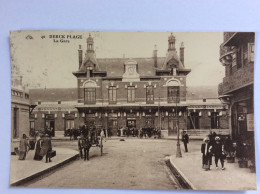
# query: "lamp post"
178,150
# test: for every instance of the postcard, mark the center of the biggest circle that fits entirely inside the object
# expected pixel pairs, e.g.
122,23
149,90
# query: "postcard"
132,110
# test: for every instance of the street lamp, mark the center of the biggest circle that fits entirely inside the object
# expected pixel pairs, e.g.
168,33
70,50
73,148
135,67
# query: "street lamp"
178,150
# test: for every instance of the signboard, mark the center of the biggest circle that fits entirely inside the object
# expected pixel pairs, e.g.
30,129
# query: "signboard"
250,122
49,116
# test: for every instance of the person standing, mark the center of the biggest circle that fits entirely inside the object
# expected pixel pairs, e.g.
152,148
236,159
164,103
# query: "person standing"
46,147
23,147
206,149
80,146
185,140
218,150
37,155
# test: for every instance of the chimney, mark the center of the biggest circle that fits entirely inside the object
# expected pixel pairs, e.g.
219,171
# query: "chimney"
80,56
155,56
182,53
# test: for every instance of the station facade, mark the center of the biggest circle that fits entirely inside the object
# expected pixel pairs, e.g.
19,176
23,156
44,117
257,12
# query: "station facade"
139,92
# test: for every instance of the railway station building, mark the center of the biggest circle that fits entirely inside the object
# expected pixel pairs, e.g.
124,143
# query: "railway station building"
119,92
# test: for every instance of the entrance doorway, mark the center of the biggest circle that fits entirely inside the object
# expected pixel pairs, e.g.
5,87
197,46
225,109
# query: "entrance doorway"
112,127
50,125
131,123
172,126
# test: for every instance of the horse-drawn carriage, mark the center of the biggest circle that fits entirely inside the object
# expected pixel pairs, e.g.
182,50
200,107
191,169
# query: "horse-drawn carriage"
91,136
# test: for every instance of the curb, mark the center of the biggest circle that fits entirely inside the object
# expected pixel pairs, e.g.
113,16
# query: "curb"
182,176
41,173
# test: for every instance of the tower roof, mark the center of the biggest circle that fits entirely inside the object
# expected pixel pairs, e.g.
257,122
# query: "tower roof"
172,58
90,39
171,37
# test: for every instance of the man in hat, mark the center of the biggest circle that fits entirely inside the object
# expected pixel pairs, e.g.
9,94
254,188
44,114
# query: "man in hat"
46,147
23,147
185,140
218,150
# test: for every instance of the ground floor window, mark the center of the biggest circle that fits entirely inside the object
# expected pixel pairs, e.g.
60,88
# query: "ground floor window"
50,126
32,128
69,124
149,121
214,120
194,120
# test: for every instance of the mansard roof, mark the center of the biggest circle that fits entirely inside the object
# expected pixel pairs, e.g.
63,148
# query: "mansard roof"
115,66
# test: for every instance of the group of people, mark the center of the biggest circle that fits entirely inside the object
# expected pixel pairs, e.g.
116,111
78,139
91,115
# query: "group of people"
141,133
42,146
212,148
209,148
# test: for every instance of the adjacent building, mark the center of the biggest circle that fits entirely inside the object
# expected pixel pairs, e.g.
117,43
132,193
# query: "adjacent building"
237,88
20,108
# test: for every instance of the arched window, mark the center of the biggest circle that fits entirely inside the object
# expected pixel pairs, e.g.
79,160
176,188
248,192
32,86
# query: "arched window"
90,92
173,86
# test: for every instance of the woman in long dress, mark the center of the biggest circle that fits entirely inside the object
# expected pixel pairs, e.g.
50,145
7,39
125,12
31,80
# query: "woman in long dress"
37,155
206,148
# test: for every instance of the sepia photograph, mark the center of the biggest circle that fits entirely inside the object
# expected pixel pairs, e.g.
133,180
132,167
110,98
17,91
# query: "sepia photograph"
160,110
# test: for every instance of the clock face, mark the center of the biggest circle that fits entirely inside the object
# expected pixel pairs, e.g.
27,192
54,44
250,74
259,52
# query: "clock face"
131,70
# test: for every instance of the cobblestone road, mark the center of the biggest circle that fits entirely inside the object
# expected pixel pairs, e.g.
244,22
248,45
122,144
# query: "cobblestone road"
129,164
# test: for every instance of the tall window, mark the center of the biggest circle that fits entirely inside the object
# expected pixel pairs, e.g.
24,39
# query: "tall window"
245,54
130,94
173,94
239,58
112,94
251,51
90,95
214,120
149,95
15,123
69,124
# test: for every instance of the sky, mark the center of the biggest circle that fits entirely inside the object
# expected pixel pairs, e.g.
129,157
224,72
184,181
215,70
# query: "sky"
44,61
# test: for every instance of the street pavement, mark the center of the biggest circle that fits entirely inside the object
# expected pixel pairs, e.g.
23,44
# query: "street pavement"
232,178
21,170
129,164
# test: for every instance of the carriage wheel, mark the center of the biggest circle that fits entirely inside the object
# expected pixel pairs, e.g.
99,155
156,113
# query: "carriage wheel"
101,145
